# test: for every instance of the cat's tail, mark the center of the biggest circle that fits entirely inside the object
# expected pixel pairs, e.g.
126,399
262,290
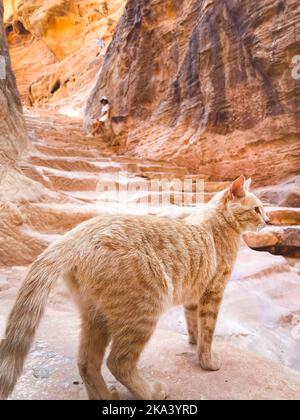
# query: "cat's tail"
26,315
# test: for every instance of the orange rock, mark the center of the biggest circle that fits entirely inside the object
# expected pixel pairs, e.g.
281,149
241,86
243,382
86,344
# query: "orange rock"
277,240
284,216
53,46
260,239
204,85
12,127
286,194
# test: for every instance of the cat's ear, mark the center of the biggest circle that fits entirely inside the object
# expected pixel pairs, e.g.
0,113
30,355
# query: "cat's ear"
248,184
237,188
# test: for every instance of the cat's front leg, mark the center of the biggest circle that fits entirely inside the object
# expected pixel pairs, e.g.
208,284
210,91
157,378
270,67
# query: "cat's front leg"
191,317
207,318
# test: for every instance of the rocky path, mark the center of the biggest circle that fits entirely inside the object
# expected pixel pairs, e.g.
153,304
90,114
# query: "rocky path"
67,161
91,179
84,177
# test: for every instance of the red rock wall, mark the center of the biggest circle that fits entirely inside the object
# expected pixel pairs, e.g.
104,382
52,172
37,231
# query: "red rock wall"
15,245
207,84
12,127
53,45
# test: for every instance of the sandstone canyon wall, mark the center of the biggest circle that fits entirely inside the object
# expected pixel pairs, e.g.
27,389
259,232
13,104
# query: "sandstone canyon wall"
12,126
207,84
13,138
15,188
53,46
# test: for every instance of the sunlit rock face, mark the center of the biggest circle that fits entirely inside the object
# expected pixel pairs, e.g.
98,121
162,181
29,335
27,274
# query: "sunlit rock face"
12,127
64,26
53,45
14,185
207,84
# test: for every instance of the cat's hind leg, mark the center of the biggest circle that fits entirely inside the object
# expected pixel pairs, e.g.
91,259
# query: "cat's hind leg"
94,339
128,343
93,342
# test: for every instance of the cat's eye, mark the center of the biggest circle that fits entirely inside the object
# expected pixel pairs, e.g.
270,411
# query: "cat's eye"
257,210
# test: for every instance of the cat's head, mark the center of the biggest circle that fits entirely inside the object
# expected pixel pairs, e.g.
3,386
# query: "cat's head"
242,205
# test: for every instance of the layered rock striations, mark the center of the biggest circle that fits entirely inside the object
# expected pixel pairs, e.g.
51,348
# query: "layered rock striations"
12,126
15,188
207,85
53,46
64,26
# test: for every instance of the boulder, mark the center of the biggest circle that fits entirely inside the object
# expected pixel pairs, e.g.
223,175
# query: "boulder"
285,194
277,240
284,216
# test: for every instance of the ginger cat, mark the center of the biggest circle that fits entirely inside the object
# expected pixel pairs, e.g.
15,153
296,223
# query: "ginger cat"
124,272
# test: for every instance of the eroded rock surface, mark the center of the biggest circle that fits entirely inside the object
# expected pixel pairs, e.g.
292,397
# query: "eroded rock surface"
277,240
14,185
53,47
284,194
12,126
207,85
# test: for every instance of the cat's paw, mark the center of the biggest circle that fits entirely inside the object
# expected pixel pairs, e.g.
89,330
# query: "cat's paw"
159,391
210,361
192,339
